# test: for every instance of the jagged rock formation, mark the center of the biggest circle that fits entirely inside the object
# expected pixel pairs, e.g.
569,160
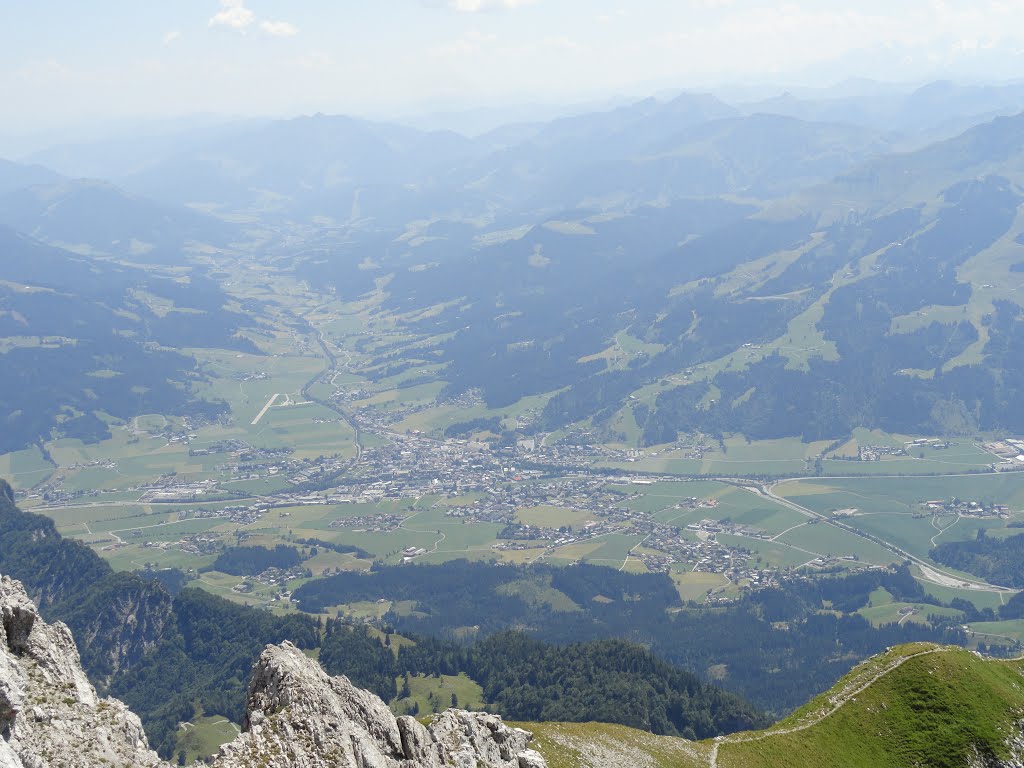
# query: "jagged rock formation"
299,716
50,714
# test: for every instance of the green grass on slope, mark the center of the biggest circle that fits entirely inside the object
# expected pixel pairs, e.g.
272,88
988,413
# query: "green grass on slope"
917,706
597,745
934,710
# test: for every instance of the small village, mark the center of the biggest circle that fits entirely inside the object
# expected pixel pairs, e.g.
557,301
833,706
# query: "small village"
968,509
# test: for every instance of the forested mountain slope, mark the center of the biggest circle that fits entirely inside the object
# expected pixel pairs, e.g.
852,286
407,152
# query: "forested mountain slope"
85,339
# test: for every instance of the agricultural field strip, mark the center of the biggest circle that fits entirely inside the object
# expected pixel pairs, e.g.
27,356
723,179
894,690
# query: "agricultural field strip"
267,407
929,572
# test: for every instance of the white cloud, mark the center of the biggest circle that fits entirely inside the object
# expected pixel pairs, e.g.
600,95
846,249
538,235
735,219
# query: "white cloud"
279,28
475,6
234,14
171,36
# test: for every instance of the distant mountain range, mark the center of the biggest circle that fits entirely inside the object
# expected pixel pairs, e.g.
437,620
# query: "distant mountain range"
784,268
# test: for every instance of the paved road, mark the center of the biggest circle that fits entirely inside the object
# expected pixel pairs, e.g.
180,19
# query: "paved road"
332,366
928,571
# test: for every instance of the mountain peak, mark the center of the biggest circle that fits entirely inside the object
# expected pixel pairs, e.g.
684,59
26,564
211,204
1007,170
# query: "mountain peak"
296,715
299,716
49,712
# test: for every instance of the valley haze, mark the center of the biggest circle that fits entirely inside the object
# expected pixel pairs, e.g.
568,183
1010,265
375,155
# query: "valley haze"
512,383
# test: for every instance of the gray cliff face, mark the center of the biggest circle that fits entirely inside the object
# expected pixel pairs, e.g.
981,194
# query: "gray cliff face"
50,714
300,717
127,628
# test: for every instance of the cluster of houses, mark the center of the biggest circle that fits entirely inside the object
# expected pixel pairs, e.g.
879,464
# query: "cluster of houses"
382,523
876,452
1009,451
975,509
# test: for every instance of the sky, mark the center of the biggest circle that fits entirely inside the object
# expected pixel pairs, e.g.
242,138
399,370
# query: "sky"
65,63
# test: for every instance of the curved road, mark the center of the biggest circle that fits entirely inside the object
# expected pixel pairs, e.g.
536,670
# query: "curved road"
332,365
928,571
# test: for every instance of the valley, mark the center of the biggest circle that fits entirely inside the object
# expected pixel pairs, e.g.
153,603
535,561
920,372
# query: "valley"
667,415
324,446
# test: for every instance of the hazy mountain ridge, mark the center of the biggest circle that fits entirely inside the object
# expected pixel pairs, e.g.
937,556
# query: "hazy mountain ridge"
711,237
85,336
933,111
929,213
105,220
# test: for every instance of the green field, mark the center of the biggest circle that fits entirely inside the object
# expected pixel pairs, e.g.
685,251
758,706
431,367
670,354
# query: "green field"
537,592
24,469
980,599
434,694
202,736
694,585
882,609
553,517
890,509
792,457
994,631
828,540
788,456
773,553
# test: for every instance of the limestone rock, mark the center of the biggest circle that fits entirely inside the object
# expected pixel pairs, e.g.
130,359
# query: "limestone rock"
300,717
49,712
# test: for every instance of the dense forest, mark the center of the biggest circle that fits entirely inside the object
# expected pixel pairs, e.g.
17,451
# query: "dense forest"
999,561
603,681
352,650
777,646
524,679
250,561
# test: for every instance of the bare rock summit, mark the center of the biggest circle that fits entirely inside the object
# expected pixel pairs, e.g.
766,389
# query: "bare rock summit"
50,714
300,717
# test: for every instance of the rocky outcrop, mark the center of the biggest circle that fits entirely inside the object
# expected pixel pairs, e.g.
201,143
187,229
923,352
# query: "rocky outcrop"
50,714
299,716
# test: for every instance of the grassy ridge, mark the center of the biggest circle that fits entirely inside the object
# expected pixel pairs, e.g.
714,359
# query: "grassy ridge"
916,705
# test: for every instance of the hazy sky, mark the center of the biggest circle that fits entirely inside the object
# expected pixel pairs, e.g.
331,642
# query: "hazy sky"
70,61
